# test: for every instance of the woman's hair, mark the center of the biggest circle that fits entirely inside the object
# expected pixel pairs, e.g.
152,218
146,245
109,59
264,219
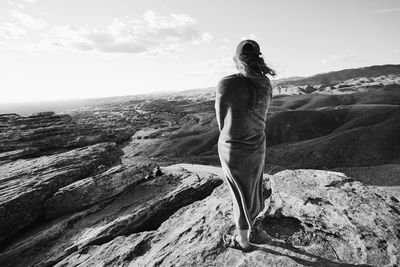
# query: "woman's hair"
251,65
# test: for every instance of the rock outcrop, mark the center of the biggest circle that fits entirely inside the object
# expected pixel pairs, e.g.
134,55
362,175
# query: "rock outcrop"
141,208
26,184
46,133
316,218
91,190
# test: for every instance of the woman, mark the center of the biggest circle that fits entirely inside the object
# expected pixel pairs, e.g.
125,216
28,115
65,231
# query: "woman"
241,105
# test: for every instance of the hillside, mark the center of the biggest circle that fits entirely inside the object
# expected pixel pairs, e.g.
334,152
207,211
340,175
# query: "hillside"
342,75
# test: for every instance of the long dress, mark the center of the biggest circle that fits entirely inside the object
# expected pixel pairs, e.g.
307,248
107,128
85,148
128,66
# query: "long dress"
241,110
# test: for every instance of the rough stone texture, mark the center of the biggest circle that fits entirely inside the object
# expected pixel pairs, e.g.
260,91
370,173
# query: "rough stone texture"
86,192
317,218
26,184
46,132
140,208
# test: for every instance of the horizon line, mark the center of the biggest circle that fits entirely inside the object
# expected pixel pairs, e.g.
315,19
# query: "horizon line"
171,90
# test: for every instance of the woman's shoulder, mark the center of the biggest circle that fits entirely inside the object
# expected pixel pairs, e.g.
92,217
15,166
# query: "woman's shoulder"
230,78
229,83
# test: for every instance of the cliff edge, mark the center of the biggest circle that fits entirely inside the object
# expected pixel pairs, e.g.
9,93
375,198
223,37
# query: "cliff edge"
316,218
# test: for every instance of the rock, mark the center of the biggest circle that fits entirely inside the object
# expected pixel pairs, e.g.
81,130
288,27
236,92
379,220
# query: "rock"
308,89
43,114
340,219
316,218
19,153
25,185
45,133
157,171
149,176
140,208
86,192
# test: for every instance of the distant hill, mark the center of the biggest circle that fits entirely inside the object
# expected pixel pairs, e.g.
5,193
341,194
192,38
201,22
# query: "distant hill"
57,106
330,78
341,75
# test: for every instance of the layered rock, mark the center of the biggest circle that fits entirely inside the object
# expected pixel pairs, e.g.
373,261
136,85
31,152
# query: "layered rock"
44,133
140,208
316,218
86,192
25,185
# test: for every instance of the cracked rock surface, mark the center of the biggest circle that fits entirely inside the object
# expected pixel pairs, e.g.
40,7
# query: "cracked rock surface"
141,208
26,184
316,218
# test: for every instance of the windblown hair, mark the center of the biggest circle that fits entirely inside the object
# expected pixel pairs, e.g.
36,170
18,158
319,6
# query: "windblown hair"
252,66
255,69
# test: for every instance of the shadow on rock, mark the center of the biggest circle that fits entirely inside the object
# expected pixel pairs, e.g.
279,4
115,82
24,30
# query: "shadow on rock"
271,231
298,255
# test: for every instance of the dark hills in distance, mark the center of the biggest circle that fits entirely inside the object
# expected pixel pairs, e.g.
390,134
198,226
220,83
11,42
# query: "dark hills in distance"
342,75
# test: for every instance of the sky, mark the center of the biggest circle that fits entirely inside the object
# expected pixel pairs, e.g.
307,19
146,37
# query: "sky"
67,49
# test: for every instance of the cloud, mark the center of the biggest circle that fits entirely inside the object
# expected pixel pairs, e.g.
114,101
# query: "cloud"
27,20
388,10
11,31
206,38
349,58
153,34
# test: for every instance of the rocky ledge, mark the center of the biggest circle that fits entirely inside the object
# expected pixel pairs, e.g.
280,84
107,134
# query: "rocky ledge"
26,185
316,218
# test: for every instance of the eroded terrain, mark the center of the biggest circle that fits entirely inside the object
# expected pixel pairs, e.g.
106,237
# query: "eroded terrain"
82,188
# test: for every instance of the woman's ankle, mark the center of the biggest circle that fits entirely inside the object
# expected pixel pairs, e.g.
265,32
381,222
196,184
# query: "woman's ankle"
243,237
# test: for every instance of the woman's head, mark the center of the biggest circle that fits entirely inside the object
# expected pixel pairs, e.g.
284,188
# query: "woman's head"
248,59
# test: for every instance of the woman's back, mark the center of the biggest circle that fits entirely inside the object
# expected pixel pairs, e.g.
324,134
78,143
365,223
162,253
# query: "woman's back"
241,108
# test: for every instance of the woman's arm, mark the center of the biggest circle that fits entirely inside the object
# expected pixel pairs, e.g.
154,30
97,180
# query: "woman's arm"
221,105
231,102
